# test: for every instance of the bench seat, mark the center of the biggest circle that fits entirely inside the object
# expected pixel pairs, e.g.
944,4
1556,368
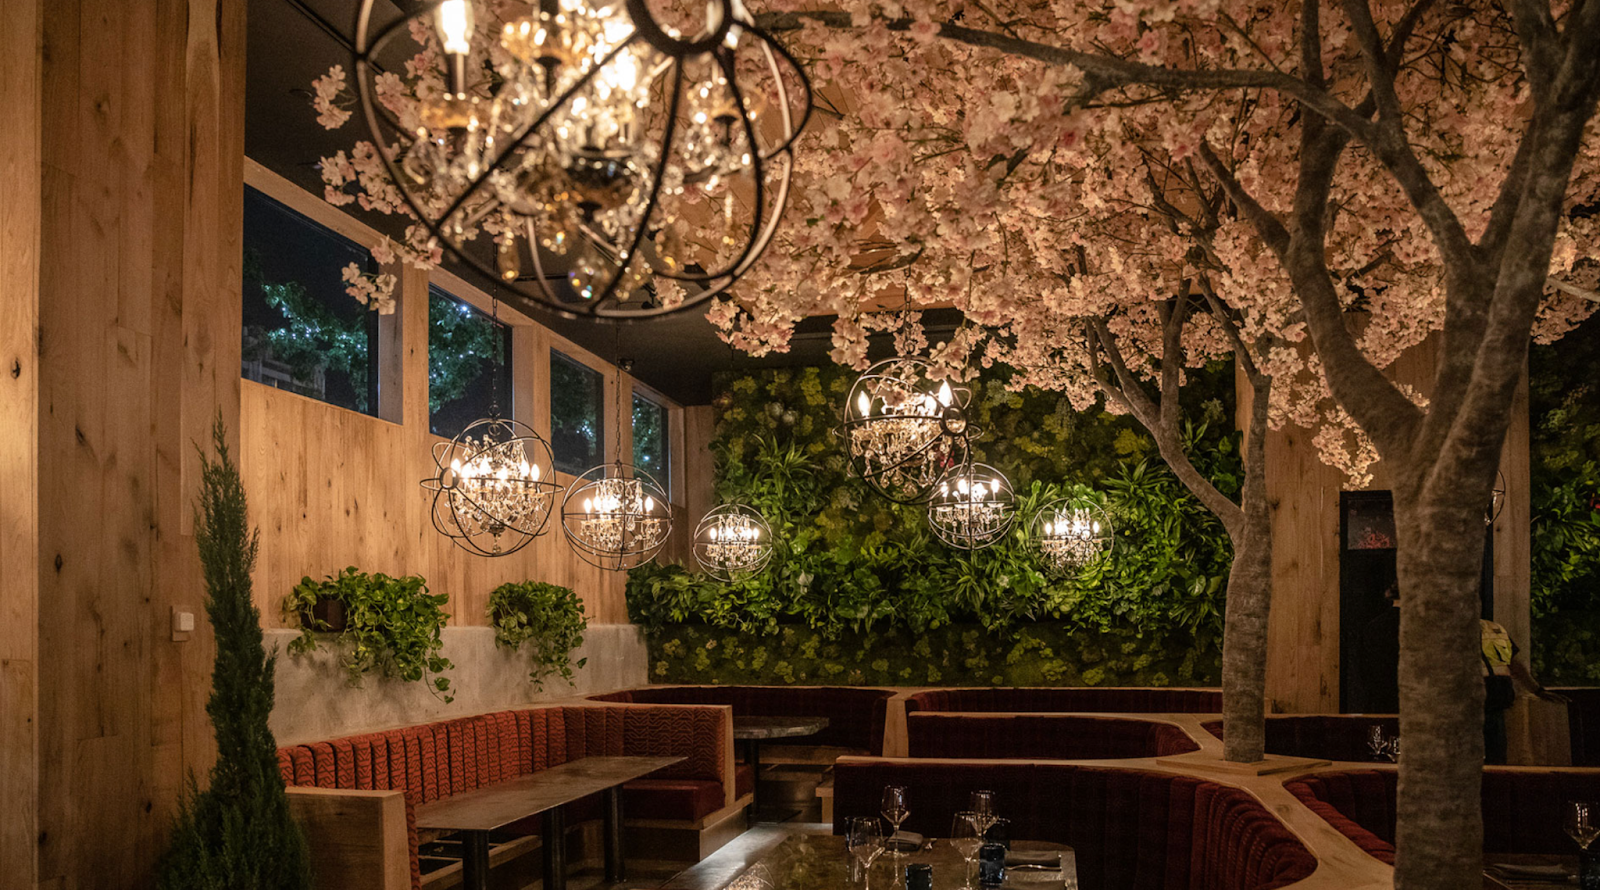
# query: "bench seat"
856,715
1068,699
1041,736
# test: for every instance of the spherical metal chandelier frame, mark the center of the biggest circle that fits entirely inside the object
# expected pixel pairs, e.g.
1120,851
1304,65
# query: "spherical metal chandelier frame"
973,507
727,24
492,504
616,516
922,443
1069,534
745,555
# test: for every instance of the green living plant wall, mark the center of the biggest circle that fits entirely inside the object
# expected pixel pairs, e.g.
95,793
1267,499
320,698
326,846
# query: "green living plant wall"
855,576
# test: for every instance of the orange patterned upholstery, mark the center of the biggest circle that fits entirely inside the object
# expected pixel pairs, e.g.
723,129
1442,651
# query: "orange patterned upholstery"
436,760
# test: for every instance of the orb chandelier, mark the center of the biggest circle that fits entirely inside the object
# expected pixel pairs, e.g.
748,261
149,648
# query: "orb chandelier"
902,430
972,507
733,542
492,488
1069,534
616,516
589,135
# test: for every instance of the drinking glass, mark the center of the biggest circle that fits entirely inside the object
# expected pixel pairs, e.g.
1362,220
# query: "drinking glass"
982,807
1582,823
965,838
1394,749
894,810
863,835
1378,742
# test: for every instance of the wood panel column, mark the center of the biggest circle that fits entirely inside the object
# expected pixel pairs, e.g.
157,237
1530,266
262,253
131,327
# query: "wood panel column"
139,202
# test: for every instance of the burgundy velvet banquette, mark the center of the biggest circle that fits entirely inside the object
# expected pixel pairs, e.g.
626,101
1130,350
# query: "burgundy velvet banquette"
1583,723
436,760
1041,736
855,715
1068,699
1321,736
1522,806
1131,829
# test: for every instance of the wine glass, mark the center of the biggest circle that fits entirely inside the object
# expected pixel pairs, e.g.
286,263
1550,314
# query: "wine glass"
1378,741
965,838
982,808
1583,822
863,835
894,810
1394,749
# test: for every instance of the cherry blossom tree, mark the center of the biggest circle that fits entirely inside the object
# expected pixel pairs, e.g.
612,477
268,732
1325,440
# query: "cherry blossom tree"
1389,172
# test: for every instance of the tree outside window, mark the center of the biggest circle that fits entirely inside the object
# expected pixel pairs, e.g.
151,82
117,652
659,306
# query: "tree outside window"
651,448
469,364
577,414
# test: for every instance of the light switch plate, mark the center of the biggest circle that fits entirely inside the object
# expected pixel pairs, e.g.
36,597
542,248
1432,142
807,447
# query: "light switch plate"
182,625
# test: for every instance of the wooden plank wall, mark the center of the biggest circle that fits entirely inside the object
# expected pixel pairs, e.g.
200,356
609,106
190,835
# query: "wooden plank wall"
1303,633
20,70
141,138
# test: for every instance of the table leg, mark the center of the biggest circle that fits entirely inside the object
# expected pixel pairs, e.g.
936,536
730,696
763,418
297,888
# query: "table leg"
555,849
615,869
475,860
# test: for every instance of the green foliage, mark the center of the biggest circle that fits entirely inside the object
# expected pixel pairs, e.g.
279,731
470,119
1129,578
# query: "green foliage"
1037,654
548,616
315,336
1564,407
461,343
392,625
849,563
238,833
650,438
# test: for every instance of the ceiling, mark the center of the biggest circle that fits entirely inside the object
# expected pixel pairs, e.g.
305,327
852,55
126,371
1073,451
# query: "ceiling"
292,42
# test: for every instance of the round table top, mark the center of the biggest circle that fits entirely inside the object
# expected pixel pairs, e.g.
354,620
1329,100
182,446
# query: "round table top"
746,728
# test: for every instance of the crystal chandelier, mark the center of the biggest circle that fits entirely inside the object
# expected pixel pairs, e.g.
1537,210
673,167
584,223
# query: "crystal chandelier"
733,542
491,488
902,430
1070,534
592,137
972,507
616,516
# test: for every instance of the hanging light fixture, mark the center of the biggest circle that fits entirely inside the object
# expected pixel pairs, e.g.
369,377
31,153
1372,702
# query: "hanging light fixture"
903,430
1497,500
733,542
587,134
1070,533
972,507
616,515
492,486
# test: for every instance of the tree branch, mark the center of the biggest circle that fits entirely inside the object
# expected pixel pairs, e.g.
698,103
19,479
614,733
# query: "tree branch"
1573,289
1269,227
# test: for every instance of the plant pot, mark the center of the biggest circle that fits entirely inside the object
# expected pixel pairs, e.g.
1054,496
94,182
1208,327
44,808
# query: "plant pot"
328,611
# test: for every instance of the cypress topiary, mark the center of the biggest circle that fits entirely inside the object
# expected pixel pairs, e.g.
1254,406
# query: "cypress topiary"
238,833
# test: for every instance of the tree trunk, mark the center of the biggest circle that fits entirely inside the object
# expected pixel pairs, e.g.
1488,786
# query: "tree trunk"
1249,603
1439,826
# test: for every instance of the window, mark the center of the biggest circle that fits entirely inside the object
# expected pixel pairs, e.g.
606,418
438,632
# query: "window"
469,364
651,451
577,414
302,332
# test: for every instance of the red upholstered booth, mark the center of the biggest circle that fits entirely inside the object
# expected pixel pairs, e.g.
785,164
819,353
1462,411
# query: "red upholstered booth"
855,715
1131,829
1522,806
1321,736
1583,722
436,760
1041,736
1069,699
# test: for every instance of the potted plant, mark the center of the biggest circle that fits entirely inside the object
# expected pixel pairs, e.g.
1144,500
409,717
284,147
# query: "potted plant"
390,625
547,616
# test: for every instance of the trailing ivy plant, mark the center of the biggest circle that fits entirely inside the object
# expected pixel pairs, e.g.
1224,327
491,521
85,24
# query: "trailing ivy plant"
237,834
393,626
546,618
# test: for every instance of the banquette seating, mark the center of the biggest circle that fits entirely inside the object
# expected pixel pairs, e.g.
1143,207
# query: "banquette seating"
1583,722
1522,806
1131,829
1342,737
433,761
856,715
1065,699
1041,736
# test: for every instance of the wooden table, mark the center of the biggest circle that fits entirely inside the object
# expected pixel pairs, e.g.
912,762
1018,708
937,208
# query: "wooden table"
473,814
821,862
749,732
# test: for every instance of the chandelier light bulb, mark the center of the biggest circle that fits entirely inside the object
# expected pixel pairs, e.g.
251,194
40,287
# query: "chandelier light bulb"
733,543
974,507
1071,534
487,494
454,19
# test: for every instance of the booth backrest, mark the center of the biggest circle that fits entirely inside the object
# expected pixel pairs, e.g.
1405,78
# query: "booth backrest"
1131,829
1041,736
1583,723
1522,806
1067,699
855,715
1321,736
435,760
